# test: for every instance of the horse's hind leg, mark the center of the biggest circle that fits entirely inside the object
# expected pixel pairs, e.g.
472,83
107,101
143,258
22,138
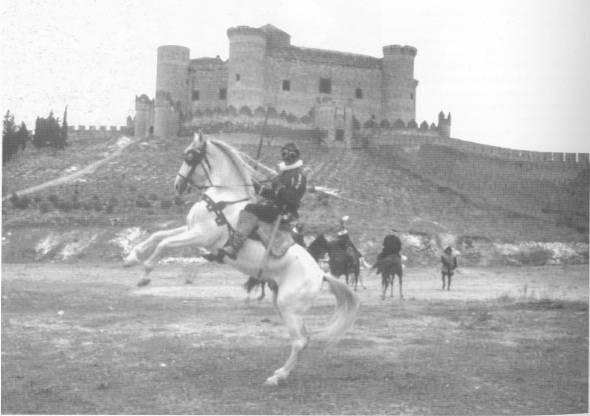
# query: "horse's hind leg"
262,294
401,292
443,281
132,258
392,277
299,340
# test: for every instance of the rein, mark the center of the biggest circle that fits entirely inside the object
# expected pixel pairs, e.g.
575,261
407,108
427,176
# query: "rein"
193,158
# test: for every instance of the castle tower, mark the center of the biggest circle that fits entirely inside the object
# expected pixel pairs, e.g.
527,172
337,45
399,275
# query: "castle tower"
144,108
399,85
444,124
172,90
247,51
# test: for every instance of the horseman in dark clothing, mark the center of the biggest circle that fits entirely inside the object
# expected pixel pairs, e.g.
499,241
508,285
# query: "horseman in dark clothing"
391,251
282,197
297,234
391,245
344,237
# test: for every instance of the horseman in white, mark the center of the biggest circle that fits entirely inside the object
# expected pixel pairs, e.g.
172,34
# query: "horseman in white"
217,168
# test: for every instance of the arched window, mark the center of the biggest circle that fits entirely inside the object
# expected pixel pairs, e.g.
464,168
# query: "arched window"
358,93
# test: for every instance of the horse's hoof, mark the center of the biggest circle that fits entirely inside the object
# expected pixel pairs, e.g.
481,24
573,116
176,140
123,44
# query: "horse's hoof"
144,282
273,381
130,261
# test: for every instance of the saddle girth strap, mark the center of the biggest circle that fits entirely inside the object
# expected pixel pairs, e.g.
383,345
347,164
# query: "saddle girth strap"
217,208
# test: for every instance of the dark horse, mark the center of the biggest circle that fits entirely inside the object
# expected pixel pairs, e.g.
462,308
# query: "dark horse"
389,267
342,258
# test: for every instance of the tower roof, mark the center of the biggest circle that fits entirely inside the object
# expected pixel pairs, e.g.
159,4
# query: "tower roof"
270,28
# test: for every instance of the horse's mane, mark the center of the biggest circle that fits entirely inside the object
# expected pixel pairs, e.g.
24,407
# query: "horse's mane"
238,162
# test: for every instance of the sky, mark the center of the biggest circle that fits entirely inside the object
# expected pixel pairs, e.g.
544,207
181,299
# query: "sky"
512,73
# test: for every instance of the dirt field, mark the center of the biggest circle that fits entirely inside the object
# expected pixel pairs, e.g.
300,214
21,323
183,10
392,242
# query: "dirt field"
83,339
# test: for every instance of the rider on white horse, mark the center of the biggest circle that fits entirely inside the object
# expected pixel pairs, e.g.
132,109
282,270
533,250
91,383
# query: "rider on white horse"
282,197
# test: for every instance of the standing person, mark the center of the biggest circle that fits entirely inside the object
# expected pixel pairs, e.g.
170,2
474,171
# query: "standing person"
283,197
449,265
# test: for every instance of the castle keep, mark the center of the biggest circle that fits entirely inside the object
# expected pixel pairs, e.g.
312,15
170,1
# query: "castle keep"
322,89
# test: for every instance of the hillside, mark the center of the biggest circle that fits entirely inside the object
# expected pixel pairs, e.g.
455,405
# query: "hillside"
435,194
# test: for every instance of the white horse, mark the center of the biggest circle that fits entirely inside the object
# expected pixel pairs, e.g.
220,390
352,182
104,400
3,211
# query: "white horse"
217,167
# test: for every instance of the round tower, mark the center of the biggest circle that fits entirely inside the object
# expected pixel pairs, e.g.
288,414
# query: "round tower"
444,124
247,51
172,88
144,108
399,85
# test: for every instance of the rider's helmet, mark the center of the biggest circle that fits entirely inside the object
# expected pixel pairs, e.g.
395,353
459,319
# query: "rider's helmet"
448,250
290,153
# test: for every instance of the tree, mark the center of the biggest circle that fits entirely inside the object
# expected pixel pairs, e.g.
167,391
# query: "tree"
9,137
61,138
49,133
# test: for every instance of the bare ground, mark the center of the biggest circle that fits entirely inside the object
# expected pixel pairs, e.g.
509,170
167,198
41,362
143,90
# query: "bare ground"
83,339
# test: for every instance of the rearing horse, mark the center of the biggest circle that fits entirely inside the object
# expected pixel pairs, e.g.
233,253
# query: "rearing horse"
217,167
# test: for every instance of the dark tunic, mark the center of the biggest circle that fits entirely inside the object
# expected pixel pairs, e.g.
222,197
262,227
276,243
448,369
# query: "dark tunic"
283,197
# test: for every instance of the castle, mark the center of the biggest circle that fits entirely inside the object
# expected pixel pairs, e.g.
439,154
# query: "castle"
324,89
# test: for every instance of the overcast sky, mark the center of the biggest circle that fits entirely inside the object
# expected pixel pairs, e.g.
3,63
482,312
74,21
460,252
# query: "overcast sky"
512,73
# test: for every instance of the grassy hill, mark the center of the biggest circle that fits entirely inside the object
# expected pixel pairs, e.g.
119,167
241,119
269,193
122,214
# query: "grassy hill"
434,190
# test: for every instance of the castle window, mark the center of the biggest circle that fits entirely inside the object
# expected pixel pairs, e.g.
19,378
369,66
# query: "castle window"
411,96
286,85
196,95
325,85
237,77
359,93
222,93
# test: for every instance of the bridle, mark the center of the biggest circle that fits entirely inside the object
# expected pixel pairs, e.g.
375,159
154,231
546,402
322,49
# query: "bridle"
194,158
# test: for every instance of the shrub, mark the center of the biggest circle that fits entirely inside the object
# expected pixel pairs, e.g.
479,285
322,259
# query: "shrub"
54,199
141,202
44,207
165,204
21,202
96,204
178,201
153,197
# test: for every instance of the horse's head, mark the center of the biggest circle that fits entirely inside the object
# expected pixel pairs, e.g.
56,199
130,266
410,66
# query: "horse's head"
194,166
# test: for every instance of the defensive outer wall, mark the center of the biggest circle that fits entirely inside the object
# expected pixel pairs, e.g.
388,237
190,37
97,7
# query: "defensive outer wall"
348,100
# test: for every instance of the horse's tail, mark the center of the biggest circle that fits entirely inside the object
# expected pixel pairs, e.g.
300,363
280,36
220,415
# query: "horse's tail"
345,314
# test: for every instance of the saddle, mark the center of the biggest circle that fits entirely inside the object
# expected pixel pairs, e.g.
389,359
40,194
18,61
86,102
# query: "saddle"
283,238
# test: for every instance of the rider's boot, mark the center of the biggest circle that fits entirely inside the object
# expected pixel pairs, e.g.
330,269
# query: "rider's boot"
247,222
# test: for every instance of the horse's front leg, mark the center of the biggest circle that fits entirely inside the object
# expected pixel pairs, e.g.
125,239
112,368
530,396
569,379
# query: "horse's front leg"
193,237
132,258
401,292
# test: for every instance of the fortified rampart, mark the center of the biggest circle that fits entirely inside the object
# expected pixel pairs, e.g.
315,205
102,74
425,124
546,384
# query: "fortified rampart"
344,99
97,132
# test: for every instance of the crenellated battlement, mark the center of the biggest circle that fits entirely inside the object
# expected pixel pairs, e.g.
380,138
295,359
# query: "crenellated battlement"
406,50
